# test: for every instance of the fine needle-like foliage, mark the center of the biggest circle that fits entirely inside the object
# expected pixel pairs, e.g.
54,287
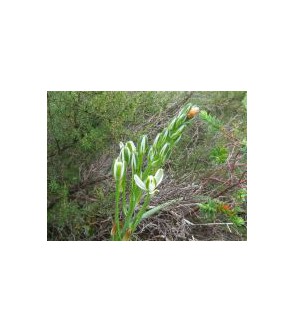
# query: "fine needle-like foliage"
138,174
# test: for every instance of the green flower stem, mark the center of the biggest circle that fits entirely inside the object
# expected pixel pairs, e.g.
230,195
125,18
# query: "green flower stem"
124,196
117,233
130,211
141,212
140,160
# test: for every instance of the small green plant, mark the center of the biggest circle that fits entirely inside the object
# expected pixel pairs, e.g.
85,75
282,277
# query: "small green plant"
219,155
209,209
138,174
213,123
241,195
53,186
213,207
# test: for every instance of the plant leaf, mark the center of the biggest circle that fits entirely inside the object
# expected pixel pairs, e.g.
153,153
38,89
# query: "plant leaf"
156,209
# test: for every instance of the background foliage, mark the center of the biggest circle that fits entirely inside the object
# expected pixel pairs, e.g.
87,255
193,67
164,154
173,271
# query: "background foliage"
84,129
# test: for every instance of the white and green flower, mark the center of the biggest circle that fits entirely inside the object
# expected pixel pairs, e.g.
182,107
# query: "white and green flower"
151,183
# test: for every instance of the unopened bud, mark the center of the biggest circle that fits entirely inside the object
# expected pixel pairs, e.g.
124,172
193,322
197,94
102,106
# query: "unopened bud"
156,141
193,112
164,150
180,120
134,161
143,145
178,132
125,154
119,169
131,146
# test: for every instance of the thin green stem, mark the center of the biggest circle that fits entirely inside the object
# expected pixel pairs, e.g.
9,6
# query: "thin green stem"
117,233
141,212
124,205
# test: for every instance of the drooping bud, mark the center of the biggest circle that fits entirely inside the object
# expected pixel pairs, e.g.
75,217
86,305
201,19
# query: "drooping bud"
186,108
193,112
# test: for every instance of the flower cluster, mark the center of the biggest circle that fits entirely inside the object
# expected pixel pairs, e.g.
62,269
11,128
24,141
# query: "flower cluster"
144,161
162,146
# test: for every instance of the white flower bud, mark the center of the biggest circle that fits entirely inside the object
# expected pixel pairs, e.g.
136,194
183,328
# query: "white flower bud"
172,123
178,132
131,146
164,136
119,169
156,141
125,154
164,150
134,161
180,120
151,154
143,144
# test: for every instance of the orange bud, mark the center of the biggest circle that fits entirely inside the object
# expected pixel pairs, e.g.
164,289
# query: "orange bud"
193,112
226,207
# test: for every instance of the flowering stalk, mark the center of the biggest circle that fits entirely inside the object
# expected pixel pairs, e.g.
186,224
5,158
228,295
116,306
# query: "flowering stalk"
145,172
